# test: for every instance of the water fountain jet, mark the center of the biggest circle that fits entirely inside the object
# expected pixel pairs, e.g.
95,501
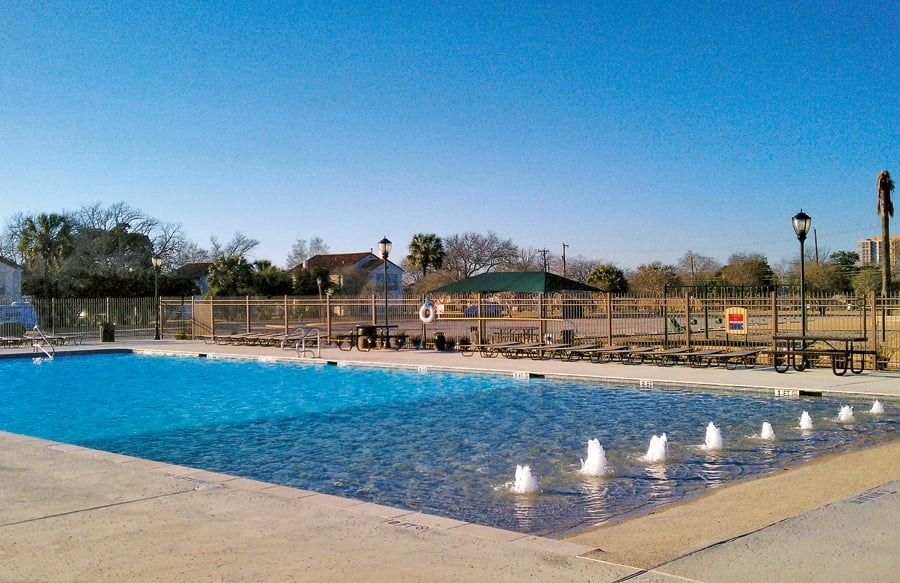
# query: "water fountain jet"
713,437
767,432
657,450
525,482
806,421
846,414
877,408
596,459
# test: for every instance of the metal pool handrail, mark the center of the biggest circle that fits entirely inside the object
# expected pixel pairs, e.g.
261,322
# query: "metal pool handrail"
300,341
36,344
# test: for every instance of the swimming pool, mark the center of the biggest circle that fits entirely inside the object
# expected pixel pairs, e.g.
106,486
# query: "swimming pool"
442,443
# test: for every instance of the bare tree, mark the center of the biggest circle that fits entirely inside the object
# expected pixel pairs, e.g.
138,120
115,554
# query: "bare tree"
239,246
190,252
696,269
94,216
12,234
301,251
579,268
528,259
168,241
471,253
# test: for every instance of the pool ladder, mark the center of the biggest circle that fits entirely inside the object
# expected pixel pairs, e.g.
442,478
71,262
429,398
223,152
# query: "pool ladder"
300,342
35,343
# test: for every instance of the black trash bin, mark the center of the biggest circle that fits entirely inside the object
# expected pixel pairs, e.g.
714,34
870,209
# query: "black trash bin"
567,336
107,332
365,337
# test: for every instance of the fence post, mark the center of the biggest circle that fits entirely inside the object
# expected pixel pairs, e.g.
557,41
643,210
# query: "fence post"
873,298
665,315
773,306
542,323
609,318
328,315
687,319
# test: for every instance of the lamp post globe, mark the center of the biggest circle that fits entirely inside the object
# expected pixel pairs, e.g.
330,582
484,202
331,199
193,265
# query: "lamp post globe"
801,223
384,248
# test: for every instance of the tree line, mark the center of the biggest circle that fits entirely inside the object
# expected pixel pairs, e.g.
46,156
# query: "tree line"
100,251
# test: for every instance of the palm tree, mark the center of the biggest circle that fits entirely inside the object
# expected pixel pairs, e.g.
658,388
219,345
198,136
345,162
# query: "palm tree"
886,210
426,251
45,240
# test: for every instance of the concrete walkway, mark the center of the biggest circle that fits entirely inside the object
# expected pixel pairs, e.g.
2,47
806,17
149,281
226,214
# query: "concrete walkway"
72,514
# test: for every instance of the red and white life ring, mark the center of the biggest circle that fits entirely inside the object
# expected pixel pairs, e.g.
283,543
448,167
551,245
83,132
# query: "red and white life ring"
427,313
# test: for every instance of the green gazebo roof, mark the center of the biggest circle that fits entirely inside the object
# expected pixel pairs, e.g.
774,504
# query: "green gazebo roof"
515,281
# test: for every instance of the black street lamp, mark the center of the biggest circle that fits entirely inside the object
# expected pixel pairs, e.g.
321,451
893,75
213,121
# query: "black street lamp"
384,247
157,263
801,222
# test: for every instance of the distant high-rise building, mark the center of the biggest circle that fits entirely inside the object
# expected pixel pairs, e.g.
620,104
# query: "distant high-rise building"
870,251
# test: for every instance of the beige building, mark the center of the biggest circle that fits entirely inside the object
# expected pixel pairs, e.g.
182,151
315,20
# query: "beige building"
870,251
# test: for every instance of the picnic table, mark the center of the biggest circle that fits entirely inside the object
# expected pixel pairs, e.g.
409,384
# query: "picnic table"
796,351
364,336
522,334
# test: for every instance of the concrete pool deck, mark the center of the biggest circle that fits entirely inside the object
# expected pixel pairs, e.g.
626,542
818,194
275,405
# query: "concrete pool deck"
72,514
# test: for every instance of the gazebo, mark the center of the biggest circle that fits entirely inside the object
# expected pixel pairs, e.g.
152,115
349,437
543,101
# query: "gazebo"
537,282
540,283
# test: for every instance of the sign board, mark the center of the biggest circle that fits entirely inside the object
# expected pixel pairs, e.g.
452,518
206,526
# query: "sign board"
736,320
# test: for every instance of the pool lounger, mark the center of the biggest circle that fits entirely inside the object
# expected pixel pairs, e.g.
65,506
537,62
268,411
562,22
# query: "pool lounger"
667,357
634,355
520,350
734,359
599,354
486,350
568,352
549,351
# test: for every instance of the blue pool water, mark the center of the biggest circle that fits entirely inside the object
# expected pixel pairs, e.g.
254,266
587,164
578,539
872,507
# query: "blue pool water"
441,443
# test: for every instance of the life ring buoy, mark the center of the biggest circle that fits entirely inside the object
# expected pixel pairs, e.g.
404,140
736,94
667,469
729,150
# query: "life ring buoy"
427,313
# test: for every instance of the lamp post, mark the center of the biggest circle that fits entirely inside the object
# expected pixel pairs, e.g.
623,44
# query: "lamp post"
319,283
801,223
157,263
384,247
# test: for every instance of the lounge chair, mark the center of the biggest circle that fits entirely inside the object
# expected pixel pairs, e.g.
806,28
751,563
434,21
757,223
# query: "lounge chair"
601,354
667,357
734,359
698,358
520,349
634,355
491,350
570,353
13,341
548,351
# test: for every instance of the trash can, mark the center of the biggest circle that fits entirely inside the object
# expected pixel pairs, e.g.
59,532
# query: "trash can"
567,336
365,337
107,332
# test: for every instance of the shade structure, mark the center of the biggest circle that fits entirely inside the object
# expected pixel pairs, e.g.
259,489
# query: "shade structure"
515,281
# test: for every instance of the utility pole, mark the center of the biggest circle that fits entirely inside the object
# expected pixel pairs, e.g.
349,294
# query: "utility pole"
816,246
564,259
544,253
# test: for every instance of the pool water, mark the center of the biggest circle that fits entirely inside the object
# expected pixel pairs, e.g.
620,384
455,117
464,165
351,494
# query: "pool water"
442,443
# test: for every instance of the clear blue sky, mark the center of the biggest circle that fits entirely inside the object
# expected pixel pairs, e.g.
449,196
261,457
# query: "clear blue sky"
631,131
